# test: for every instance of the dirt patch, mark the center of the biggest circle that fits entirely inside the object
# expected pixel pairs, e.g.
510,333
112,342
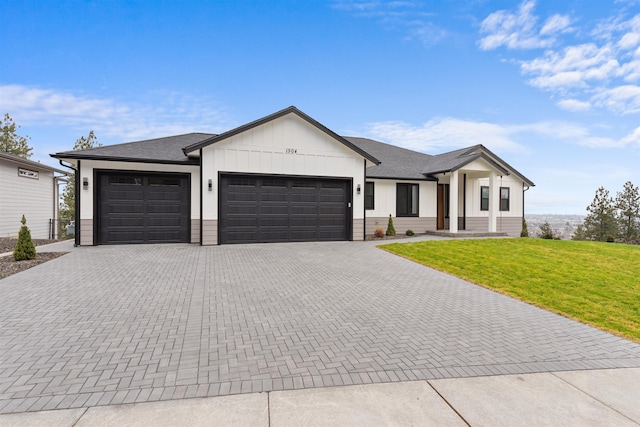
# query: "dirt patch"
7,264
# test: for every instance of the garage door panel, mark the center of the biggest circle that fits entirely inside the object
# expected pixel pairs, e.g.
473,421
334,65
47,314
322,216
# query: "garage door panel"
251,221
137,207
285,209
272,221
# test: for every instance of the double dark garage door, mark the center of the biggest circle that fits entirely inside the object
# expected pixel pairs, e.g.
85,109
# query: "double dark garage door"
283,209
155,208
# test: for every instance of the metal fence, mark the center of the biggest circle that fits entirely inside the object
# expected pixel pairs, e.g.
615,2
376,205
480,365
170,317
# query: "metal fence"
60,229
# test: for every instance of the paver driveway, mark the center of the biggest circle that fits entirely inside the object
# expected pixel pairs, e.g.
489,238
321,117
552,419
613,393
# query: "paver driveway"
118,324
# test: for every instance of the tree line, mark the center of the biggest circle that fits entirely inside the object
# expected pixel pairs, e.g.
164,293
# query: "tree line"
612,219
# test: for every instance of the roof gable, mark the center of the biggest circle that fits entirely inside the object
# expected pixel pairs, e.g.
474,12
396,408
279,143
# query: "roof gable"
290,110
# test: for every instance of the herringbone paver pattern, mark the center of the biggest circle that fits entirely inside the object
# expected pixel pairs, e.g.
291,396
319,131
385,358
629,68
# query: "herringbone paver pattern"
120,324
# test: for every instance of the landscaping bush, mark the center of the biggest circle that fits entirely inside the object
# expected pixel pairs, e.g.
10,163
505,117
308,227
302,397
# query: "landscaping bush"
378,233
409,233
24,248
391,231
525,230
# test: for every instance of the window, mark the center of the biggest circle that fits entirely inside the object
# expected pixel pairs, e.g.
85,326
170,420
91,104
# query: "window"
125,180
407,200
368,195
504,198
484,198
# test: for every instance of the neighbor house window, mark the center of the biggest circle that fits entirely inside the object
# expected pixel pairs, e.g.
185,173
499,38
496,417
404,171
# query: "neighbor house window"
484,198
368,195
504,198
407,200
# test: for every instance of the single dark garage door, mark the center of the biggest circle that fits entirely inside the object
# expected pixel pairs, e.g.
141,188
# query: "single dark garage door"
260,209
143,208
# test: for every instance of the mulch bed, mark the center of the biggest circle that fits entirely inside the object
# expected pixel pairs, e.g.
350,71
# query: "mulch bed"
7,264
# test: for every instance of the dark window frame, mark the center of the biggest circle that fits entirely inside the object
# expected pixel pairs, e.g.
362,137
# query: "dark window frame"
369,195
404,205
484,201
505,201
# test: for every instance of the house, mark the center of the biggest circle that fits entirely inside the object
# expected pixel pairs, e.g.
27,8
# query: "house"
30,189
285,177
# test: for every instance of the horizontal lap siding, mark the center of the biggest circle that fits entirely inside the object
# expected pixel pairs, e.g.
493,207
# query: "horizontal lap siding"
401,224
195,231
32,198
510,225
209,232
477,224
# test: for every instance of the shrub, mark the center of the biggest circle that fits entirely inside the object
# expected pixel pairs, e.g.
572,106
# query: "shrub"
391,231
378,233
24,248
525,231
409,233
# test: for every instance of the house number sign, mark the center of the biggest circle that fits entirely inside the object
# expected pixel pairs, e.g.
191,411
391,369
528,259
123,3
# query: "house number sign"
27,173
291,151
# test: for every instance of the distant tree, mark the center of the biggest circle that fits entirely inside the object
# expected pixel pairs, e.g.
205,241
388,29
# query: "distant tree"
600,223
546,231
68,205
525,230
10,141
579,234
628,205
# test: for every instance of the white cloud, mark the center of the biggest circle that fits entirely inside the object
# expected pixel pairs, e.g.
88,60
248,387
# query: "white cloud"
573,67
621,99
556,24
409,17
449,133
164,114
574,105
446,133
519,30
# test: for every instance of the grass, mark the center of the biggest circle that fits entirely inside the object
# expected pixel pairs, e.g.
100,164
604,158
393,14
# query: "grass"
595,283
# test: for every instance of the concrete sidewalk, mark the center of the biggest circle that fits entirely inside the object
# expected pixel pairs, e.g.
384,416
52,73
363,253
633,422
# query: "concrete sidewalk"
585,398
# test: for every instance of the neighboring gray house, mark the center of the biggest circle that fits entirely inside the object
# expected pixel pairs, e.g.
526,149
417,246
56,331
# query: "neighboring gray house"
285,177
31,189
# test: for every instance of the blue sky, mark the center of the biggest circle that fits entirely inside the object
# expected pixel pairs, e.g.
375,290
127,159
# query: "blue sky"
552,87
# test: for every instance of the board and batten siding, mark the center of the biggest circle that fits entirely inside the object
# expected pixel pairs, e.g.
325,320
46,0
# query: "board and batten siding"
384,203
288,146
31,197
87,168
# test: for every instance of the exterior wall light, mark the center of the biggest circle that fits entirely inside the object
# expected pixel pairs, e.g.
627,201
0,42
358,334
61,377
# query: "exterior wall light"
358,189
85,183
210,185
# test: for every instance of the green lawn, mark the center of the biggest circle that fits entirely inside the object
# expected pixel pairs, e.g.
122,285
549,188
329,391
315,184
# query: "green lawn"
595,283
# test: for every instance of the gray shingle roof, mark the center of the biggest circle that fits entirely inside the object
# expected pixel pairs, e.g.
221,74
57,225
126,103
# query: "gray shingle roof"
158,150
396,162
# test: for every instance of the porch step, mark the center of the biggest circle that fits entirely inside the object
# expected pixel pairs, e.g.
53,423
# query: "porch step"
463,234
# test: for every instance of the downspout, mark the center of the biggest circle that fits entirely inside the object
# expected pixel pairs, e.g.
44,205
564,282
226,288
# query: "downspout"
201,195
464,201
77,216
364,208
76,174
523,190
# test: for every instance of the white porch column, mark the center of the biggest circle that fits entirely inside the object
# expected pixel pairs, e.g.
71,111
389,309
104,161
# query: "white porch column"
453,202
494,198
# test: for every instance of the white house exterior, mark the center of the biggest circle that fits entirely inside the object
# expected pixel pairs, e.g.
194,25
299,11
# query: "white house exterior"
31,189
281,178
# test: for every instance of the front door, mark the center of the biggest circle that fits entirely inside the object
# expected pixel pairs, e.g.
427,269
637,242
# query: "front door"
443,205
